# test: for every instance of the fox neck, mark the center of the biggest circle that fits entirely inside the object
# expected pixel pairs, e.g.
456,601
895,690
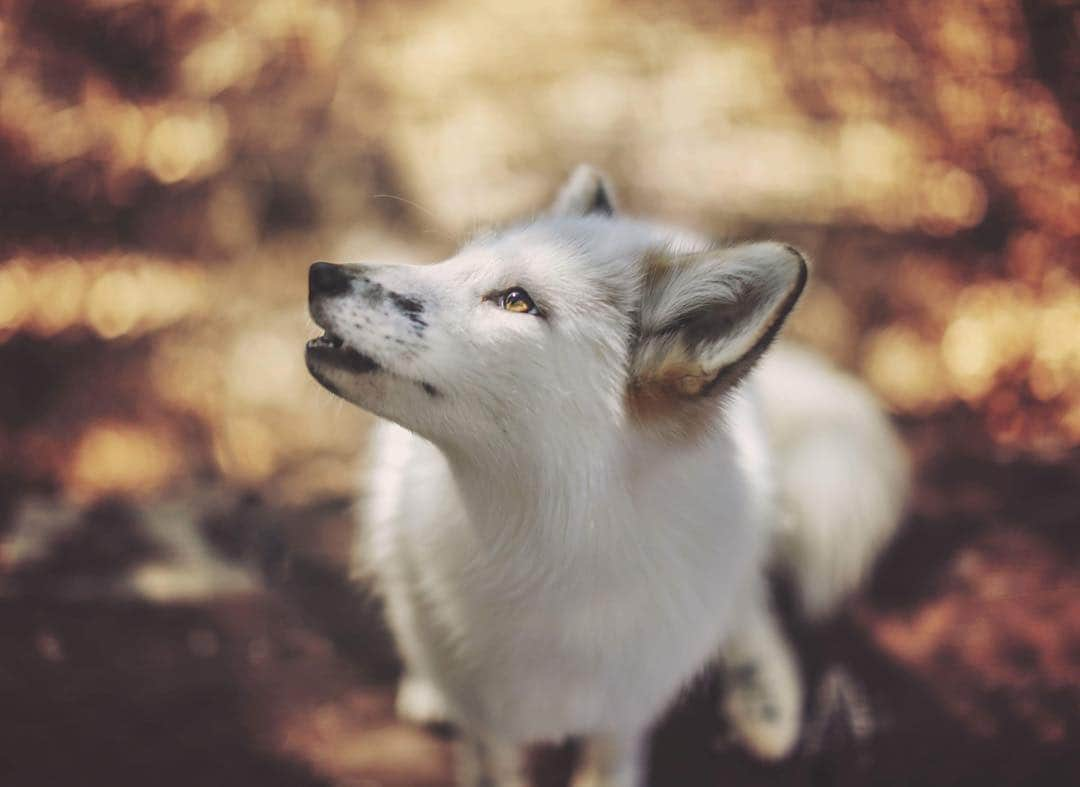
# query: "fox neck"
578,496
555,489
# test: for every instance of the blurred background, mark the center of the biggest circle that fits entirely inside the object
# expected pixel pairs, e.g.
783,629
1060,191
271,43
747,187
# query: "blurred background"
175,492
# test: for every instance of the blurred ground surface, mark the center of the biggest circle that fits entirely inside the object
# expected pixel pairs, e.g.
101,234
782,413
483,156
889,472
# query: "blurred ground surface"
958,667
174,489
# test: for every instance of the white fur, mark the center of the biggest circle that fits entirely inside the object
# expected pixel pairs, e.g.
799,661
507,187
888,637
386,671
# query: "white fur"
843,475
551,568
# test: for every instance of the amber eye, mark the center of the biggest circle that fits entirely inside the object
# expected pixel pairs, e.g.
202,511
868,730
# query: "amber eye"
517,300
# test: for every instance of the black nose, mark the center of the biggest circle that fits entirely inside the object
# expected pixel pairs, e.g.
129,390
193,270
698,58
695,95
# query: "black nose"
326,278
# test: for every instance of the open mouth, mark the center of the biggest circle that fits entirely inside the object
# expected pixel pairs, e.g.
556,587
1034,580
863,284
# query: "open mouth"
331,350
327,340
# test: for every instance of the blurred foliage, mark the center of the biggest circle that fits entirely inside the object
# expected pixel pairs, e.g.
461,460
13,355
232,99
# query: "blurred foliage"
171,166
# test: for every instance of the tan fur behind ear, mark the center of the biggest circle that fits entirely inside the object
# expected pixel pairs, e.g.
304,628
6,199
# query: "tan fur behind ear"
672,405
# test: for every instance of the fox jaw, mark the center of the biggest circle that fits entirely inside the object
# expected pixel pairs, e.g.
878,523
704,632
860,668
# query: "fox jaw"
579,326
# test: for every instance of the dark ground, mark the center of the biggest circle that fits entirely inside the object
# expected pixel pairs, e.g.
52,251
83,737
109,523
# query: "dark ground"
960,665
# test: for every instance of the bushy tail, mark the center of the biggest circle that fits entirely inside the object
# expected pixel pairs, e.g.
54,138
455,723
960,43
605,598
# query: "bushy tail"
843,476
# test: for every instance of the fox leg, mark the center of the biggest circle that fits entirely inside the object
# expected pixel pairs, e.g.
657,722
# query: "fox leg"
763,695
614,760
481,763
419,698
420,701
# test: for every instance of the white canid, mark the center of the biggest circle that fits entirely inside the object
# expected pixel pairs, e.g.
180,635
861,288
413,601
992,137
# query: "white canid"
589,461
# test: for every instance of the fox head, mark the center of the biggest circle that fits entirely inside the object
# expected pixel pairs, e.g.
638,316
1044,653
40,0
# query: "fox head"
576,327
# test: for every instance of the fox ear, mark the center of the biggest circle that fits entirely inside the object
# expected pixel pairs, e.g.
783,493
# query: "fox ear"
586,191
705,319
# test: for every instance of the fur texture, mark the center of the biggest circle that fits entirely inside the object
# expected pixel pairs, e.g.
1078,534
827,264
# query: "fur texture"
576,493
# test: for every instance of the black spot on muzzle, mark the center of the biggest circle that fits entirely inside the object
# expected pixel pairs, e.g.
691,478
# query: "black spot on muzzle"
410,307
326,278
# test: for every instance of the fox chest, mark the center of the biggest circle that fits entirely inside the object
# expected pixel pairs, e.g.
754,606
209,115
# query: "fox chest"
591,653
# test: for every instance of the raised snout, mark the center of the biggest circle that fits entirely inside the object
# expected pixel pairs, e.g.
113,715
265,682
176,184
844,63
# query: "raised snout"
374,327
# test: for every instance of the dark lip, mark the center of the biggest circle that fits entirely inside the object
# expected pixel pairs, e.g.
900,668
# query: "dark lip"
329,349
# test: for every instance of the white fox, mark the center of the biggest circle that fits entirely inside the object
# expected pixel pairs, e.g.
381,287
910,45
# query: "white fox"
591,465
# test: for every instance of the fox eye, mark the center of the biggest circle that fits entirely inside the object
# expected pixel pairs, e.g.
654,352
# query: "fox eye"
518,301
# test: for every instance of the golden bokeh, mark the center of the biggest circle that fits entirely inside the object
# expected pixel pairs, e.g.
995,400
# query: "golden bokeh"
117,457
931,176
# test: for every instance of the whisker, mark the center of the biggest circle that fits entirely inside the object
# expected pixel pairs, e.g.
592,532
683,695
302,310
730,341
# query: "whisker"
430,214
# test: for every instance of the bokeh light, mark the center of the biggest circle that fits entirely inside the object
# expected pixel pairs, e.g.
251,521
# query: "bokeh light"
931,176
